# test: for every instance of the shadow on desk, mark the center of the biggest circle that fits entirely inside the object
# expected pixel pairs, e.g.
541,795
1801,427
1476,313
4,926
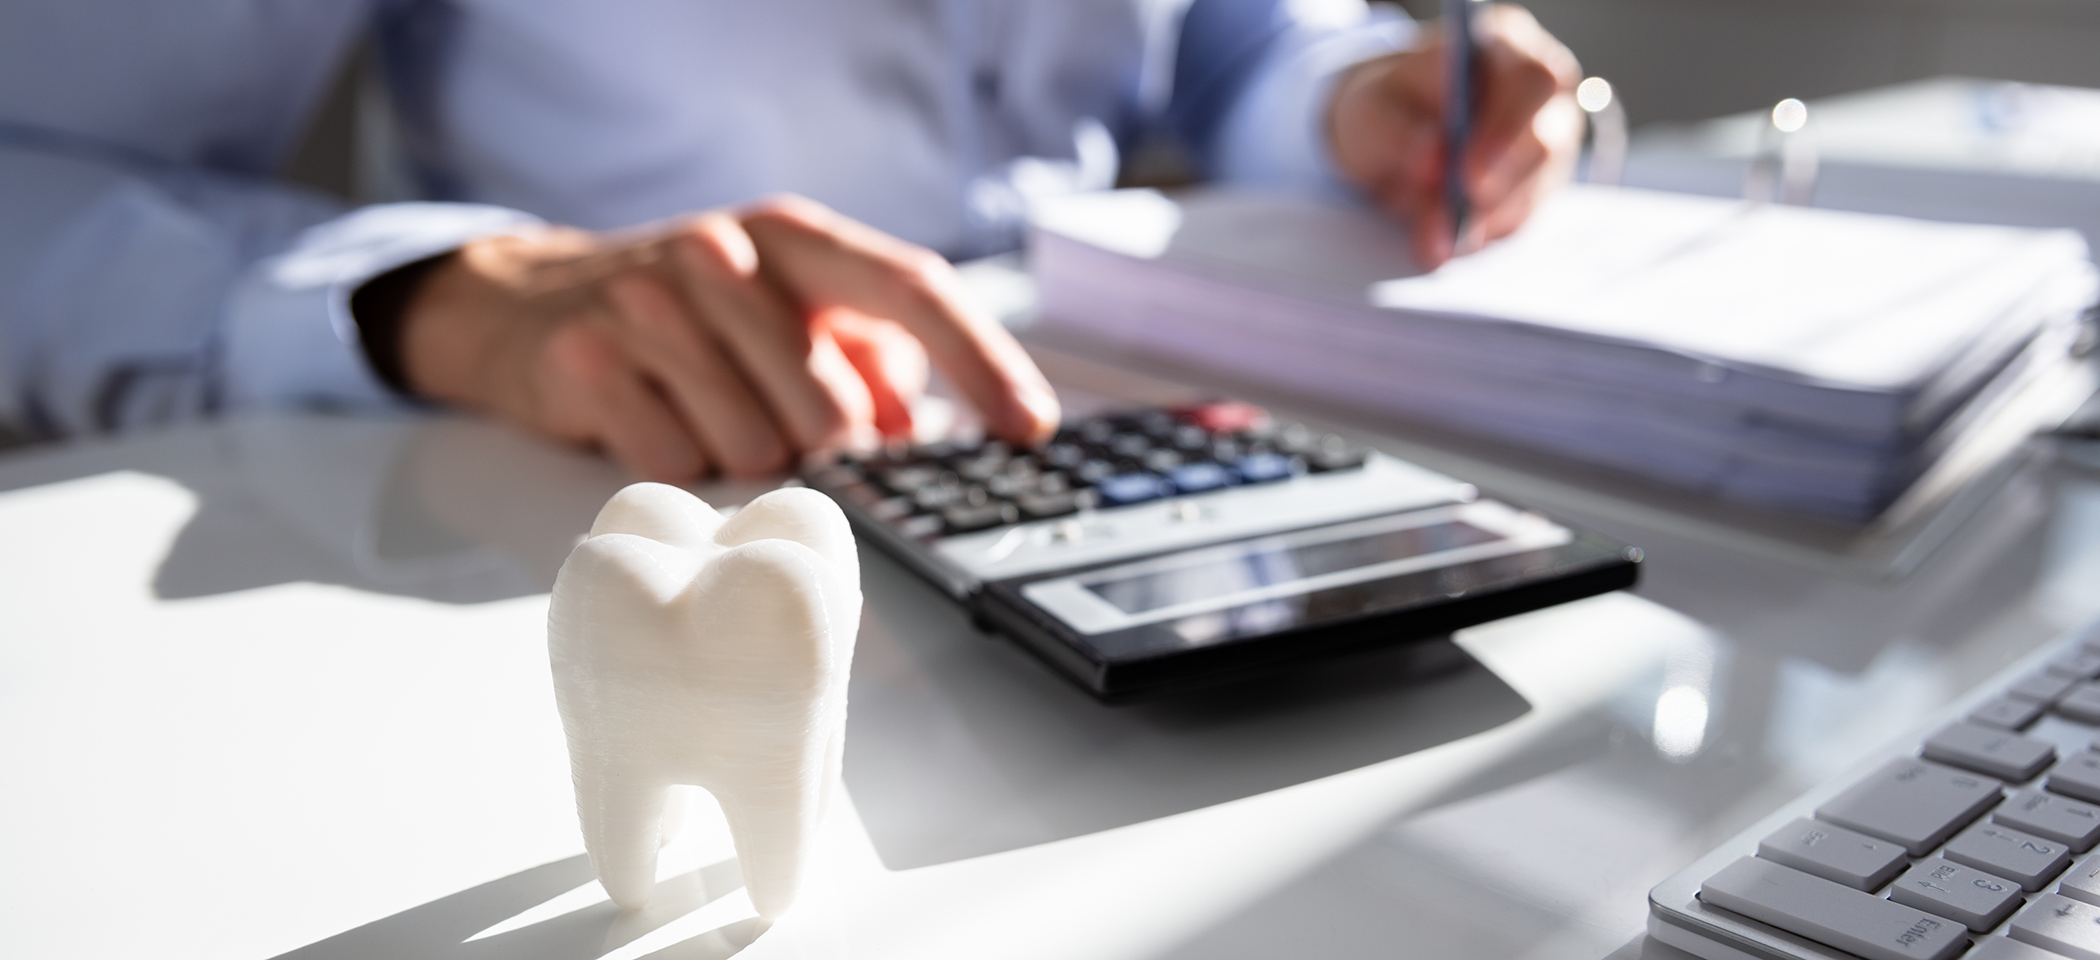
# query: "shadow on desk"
439,930
961,745
438,507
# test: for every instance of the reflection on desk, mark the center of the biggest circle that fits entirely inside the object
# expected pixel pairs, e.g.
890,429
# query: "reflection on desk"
281,683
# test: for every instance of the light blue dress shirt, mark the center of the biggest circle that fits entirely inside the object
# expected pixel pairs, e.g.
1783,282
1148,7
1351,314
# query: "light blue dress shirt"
151,270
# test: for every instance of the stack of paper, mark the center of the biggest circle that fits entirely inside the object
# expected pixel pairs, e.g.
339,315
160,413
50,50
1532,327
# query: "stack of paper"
1808,359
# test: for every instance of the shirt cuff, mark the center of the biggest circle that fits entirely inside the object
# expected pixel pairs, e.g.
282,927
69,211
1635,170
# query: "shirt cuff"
289,337
1276,137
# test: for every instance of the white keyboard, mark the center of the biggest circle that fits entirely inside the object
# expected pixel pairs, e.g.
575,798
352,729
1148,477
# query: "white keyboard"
1977,841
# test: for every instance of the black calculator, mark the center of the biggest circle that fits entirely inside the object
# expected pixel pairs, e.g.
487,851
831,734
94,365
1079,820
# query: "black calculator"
1161,548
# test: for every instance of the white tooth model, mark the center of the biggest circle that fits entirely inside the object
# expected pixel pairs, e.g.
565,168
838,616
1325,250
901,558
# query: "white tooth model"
693,649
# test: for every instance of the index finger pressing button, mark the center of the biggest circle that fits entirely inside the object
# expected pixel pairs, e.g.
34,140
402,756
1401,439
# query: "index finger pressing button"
1912,802
1826,912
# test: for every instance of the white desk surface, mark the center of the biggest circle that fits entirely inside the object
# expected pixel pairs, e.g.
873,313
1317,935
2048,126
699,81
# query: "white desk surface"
280,685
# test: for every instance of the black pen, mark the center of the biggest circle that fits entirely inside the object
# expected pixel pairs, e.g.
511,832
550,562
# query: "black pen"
1458,111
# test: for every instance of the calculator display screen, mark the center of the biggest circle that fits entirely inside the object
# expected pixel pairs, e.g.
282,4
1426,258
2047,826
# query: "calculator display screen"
1211,575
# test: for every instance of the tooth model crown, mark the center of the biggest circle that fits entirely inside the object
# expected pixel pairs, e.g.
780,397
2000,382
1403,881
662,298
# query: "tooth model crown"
693,649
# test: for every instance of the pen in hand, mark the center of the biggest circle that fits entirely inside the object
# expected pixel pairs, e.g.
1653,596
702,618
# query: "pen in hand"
1458,112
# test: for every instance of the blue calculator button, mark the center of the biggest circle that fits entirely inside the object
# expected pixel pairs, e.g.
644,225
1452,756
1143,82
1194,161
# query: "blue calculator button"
1264,467
1198,477
1131,488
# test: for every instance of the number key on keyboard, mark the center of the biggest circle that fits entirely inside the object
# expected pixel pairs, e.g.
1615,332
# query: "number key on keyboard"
2078,776
2061,819
2009,853
1912,802
1826,912
1959,893
2061,926
2082,703
1988,750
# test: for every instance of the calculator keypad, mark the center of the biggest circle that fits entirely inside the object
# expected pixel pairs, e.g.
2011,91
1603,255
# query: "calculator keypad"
1128,458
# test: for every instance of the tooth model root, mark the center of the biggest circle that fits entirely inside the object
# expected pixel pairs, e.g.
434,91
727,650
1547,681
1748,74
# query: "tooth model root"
689,649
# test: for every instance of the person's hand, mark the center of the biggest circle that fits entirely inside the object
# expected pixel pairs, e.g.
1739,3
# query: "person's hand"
1386,128
728,343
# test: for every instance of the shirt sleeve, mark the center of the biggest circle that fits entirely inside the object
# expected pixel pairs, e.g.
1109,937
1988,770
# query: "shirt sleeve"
1273,135
133,296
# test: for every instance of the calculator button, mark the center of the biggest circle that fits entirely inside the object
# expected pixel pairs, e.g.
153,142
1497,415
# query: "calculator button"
1264,467
2011,713
1043,506
925,526
964,518
905,480
1093,471
2009,853
1161,461
1959,893
1063,455
936,497
2080,664
891,509
1130,445
1198,477
1912,802
1131,488
1334,457
1989,750
2077,776
2082,703
2067,821
1829,913
2059,925
2043,687
1833,853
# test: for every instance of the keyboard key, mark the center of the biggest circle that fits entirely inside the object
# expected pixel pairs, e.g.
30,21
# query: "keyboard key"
1831,913
1063,456
2077,776
2012,713
2066,821
2081,664
2012,854
1912,802
2082,703
1198,477
1959,893
2043,687
1989,750
1093,471
2006,948
1833,853
2059,925
1264,467
2083,882
1131,488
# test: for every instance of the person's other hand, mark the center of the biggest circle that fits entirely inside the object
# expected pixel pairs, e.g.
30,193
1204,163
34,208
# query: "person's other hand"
728,343
1386,128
